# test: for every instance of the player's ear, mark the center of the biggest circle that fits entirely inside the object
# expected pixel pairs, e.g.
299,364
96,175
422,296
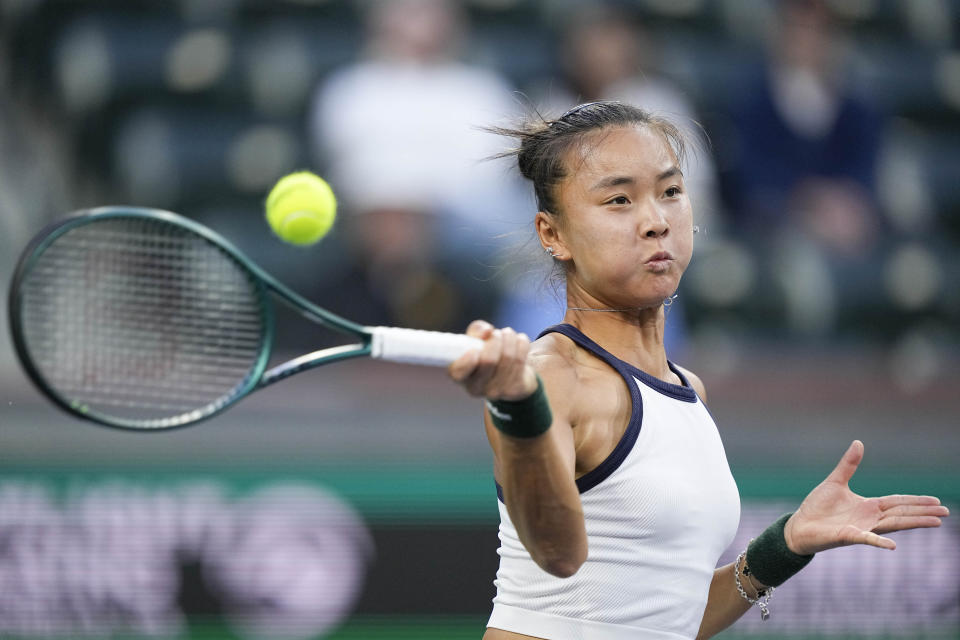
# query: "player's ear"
551,237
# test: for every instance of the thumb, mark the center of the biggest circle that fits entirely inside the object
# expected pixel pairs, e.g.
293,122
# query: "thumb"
848,463
463,366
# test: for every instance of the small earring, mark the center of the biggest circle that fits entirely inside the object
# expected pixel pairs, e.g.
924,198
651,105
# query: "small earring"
550,251
696,228
669,301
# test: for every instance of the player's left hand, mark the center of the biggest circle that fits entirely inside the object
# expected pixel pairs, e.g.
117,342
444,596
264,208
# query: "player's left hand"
834,516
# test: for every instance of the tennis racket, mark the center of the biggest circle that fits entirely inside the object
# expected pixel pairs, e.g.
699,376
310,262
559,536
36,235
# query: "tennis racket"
144,319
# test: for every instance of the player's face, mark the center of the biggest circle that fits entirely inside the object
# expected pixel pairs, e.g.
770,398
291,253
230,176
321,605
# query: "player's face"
626,221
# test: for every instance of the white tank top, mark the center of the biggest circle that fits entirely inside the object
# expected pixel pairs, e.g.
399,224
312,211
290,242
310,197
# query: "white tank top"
659,512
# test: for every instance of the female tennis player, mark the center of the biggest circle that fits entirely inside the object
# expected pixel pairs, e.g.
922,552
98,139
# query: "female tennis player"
616,496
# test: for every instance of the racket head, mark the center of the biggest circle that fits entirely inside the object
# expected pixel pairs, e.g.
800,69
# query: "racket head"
139,318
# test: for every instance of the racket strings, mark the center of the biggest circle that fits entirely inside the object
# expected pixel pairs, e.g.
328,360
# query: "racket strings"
140,319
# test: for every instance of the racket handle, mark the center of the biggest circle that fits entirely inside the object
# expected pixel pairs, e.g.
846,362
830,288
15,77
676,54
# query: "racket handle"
414,346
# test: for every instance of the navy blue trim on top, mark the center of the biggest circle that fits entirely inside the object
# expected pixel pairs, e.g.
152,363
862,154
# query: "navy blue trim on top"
628,372
613,461
684,391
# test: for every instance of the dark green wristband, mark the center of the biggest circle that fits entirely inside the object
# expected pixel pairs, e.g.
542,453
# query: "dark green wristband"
770,559
527,418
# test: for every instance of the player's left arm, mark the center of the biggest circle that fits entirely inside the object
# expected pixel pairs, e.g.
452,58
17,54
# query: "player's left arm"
830,516
725,605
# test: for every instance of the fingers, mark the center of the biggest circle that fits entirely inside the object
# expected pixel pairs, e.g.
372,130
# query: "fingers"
508,380
906,514
499,366
887,502
480,329
902,523
848,463
916,510
487,360
496,371
510,369
463,366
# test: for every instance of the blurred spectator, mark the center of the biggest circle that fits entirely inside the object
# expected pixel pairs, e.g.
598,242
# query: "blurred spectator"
400,135
803,154
607,55
807,143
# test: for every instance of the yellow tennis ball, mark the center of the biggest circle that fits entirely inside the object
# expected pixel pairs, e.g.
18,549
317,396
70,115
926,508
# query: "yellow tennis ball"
301,208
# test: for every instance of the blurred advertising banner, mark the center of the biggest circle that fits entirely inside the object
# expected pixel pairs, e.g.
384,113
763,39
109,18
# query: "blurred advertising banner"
118,556
362,554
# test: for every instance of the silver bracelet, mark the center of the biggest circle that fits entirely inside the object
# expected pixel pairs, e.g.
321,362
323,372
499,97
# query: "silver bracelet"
763,595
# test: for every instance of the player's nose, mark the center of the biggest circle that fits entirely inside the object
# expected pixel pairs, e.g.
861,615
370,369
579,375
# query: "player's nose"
654,224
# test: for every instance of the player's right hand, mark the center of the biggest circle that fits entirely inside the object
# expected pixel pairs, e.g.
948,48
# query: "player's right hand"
498,371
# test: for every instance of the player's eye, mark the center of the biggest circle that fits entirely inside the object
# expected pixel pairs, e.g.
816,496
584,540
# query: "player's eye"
619,200
673,192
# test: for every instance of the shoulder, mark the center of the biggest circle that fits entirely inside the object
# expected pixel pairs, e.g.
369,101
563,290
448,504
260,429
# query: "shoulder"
577,383
554,356
557,361
694,381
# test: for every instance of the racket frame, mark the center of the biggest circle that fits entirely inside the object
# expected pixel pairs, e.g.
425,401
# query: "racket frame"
257,378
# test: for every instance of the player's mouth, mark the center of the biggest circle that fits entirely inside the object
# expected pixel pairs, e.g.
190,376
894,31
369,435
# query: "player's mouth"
659,261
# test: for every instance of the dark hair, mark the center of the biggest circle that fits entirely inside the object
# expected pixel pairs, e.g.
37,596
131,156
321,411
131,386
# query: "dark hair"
544,143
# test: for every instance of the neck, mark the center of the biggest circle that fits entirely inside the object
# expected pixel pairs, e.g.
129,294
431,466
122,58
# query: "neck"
634,335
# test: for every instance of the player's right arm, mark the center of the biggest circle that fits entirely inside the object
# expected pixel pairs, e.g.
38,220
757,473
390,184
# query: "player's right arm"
537,474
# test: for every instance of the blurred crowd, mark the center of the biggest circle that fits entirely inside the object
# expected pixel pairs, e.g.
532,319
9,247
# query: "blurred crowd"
825,147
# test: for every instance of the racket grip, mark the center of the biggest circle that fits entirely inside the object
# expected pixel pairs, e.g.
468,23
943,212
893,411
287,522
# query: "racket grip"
414,346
